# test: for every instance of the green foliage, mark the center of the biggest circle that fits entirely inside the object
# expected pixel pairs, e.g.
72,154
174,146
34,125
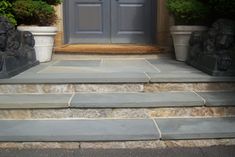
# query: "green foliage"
188,12
6,11
35,12
53,2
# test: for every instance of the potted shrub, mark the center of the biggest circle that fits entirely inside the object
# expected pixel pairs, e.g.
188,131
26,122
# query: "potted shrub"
189,15
6,11
38,17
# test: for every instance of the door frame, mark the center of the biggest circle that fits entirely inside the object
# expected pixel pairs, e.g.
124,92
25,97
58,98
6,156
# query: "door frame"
162,37
66,20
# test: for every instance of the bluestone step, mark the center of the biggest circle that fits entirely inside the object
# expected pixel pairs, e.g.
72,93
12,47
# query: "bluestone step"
34,100
117,100
100,100
196,128
78,130
122,100
219,98
93,77
110,70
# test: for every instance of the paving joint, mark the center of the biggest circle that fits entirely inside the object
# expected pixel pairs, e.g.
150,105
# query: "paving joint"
70,100
204,100
157,127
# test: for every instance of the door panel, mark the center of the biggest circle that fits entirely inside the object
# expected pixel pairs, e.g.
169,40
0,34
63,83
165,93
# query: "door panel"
131,21
89,21
108,21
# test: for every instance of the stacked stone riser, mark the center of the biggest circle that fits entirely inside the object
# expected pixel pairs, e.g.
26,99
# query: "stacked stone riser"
116,88
143,112
115,113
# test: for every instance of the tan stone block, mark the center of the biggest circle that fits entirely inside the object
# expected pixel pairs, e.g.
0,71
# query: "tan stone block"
158,87
144,144
213,86
91,113
186,112
40,145
52,145
12,88
129,113
199,143
37,88
50,113
11,145
108,88
15,114
102,145
229,111
58,88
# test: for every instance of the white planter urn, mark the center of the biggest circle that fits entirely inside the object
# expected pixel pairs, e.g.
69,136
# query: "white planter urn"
181,36
44,40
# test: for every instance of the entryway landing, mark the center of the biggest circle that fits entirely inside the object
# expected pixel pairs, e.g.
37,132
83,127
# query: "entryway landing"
114,70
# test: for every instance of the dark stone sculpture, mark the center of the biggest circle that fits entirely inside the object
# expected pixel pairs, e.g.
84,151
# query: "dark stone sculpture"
213,51
16,50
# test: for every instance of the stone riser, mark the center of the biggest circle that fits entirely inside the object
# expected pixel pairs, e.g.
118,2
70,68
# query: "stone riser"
105,88
117,113
118,145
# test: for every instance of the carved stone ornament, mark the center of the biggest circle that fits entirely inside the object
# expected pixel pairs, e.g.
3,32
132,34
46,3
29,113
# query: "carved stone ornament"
17,52
213,51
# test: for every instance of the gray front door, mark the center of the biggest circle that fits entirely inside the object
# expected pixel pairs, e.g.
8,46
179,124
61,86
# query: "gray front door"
131,21
87,21
108,21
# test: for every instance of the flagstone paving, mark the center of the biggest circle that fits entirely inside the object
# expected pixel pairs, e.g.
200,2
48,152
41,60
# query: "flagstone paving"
196,128
78,130
114,70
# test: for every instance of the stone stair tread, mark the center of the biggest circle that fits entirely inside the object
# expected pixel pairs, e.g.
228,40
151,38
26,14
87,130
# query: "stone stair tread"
101,100
123,100
94,77
102,130
34,100
219,98
78,130
196,128
187,76
117,100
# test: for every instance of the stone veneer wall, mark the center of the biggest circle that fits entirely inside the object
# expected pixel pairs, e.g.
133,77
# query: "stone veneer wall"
162,28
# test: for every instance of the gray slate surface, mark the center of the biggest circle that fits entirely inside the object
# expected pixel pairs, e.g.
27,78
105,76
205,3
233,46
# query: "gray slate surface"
120,70
196,128
94,77
34,100
218,98
77,130
78,63
117,100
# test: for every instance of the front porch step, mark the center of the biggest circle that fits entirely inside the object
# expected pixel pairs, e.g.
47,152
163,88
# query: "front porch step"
117,100
116,129
114,70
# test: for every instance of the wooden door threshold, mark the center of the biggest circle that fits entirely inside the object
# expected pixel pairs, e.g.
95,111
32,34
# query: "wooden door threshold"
109,49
